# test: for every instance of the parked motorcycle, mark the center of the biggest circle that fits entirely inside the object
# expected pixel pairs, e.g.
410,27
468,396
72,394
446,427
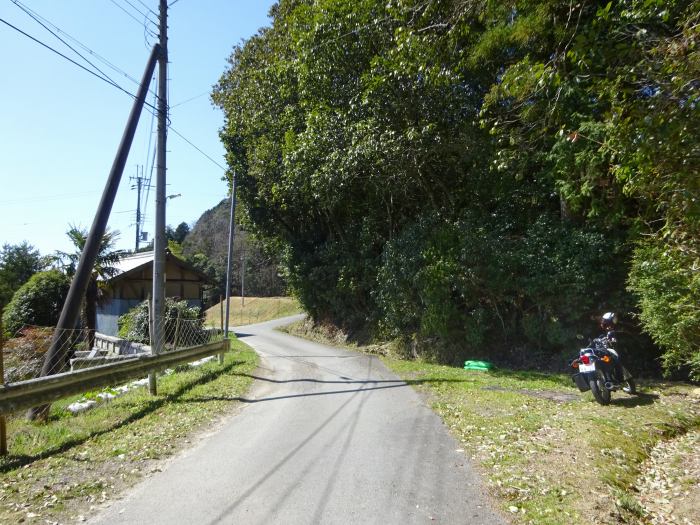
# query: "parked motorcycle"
600,371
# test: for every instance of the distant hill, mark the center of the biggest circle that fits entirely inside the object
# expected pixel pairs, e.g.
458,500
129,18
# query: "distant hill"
209,237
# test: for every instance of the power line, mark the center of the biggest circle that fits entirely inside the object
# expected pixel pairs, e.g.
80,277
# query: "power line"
107,80
78,43
145,15
133,17
148,8
189,100
195,147
105,75
104,79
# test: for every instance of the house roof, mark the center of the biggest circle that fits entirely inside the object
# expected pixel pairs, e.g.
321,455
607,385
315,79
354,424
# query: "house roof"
138,261
126,264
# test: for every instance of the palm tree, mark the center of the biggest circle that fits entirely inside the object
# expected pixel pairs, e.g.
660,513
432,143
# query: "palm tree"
105,268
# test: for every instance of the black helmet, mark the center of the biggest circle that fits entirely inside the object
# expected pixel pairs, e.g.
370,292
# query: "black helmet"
608,321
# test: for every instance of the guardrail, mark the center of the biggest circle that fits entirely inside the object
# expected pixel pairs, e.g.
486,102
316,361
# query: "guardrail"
42,390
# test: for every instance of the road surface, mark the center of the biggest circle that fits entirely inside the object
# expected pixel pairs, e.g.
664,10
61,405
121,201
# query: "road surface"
326,436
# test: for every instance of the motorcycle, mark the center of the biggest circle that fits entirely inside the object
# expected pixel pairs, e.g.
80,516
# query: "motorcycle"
600,371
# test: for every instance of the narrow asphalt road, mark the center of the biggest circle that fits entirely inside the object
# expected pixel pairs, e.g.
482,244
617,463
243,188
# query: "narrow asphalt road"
326,436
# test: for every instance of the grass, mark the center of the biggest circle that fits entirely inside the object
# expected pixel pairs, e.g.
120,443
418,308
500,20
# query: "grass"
253,310
56,472
551,455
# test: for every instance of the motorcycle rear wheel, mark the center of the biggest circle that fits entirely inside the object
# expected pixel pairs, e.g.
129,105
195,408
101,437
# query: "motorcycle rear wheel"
600,393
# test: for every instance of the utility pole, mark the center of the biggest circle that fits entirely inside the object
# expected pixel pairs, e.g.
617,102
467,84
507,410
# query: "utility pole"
159,243
229,263
243,277
55,358
139,184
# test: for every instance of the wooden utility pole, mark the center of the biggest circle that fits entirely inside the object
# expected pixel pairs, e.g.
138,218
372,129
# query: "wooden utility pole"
159,243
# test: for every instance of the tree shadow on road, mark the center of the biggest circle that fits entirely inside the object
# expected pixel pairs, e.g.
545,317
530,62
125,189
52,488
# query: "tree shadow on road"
379,385
12,462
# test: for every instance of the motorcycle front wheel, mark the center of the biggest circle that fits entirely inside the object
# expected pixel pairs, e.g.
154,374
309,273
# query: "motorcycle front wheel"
600,393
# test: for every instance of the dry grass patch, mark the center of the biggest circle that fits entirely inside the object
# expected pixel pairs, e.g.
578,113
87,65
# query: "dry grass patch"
253,310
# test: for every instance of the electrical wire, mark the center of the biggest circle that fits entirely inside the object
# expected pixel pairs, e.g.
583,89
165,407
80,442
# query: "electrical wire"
195,147
105,75
189,100
97,56
132,16
102,76
153,161
148,8
107,80
145,15
151,108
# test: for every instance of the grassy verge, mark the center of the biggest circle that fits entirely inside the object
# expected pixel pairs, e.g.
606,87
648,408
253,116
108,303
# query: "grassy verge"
550,454
60,471
255,310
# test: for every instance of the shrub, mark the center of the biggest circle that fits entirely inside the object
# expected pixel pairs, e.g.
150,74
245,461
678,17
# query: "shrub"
134,325
667,283
37,302
480,286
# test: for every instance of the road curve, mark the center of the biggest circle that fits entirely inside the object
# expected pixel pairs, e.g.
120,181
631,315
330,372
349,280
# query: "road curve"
327,436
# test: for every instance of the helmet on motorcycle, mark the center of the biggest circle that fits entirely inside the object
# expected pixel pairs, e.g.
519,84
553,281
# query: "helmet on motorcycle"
608,321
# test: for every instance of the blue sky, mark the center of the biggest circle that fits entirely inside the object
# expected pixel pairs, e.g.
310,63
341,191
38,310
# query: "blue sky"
60,126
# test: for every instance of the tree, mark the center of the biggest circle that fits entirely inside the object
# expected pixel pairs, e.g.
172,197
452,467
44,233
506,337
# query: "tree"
17,264
105,268
406,157
36,302
206,248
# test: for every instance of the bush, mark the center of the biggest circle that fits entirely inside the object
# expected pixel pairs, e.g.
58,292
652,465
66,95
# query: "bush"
482,286
134,325
37,302
667,282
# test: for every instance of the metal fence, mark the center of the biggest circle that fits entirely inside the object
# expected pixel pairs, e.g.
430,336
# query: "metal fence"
25,352
89,360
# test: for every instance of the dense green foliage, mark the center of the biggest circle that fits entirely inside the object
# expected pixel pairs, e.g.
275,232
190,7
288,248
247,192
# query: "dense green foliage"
17,264
134,325
206,248
480,176
37,302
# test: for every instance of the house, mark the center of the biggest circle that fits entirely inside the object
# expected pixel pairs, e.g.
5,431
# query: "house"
133,284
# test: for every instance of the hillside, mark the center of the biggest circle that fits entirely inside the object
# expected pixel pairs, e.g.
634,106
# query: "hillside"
209,236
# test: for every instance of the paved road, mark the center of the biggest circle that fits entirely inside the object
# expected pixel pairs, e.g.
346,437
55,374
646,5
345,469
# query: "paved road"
327,436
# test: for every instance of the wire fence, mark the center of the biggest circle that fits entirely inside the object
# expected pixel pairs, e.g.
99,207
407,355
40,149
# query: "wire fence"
34,351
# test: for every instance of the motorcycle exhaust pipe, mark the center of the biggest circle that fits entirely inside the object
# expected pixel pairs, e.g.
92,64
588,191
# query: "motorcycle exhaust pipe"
609,385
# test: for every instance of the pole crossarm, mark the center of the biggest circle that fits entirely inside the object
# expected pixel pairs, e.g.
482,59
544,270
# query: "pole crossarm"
46,389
